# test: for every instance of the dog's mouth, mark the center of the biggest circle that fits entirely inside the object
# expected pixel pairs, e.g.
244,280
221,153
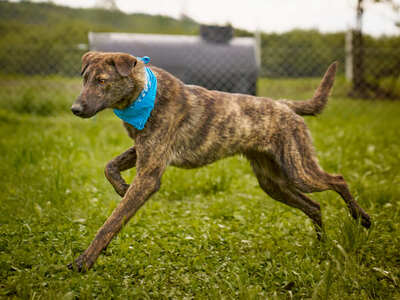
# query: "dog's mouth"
84,115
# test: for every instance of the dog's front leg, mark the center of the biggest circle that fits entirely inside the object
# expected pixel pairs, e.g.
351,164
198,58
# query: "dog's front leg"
114,168
146,183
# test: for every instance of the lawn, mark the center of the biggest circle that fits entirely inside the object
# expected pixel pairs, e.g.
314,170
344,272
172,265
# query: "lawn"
208,233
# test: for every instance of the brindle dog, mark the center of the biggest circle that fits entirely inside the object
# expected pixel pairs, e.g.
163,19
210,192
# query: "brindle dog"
190,127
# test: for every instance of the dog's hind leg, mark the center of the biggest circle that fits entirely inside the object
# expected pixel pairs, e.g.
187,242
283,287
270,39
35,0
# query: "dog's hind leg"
296,157
267,173
113,169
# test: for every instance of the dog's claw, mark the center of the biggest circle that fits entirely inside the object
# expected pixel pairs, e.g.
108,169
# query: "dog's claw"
70,266
76,267
79,265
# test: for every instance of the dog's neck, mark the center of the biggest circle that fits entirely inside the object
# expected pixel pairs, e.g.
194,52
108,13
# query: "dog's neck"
168,87
138,112
138,80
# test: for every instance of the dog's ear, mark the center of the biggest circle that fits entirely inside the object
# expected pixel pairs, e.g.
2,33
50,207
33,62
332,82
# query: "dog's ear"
86,58
124,63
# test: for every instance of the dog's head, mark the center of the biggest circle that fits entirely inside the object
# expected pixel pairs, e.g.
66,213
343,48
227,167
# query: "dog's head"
110,80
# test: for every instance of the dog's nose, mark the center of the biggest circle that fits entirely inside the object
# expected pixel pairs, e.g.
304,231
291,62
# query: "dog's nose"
76,109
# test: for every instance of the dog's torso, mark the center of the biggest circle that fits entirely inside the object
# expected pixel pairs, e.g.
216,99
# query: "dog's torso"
202,126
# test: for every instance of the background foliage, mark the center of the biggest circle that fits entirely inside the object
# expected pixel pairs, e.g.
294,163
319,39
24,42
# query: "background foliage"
27,46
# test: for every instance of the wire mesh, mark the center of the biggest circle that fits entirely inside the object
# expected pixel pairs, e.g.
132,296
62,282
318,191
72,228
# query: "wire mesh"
39,65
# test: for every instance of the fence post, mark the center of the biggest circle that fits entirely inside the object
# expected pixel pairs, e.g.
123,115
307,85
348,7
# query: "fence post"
349,56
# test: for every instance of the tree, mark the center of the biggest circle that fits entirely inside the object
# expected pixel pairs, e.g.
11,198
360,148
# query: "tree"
107,4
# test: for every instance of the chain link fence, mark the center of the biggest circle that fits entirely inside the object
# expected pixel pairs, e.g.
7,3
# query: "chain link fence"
40,63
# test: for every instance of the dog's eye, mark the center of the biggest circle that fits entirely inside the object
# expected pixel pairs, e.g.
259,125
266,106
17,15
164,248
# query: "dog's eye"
102,81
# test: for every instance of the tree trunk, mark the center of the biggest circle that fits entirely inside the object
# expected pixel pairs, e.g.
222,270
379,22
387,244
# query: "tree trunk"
361,88
359,84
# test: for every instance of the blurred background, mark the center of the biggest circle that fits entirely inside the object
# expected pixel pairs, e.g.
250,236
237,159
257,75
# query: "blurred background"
270,48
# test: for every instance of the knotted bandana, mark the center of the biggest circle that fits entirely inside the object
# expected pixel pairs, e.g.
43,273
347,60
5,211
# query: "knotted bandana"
139,111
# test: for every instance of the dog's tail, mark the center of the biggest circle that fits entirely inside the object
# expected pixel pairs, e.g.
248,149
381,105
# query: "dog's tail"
315,105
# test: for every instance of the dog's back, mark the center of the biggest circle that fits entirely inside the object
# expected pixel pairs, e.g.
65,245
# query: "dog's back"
210,125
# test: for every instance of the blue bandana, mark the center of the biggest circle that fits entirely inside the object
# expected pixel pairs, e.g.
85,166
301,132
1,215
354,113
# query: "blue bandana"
139,111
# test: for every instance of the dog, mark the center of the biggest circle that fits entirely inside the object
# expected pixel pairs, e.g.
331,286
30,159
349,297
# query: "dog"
191,126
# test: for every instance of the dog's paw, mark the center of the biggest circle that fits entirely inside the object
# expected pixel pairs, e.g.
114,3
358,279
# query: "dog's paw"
80,264
366,221
122,189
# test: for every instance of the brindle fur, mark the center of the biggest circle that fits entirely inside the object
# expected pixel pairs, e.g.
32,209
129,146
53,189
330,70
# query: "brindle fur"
190,127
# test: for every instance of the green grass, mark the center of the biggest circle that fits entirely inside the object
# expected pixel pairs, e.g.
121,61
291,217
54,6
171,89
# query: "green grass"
208,233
